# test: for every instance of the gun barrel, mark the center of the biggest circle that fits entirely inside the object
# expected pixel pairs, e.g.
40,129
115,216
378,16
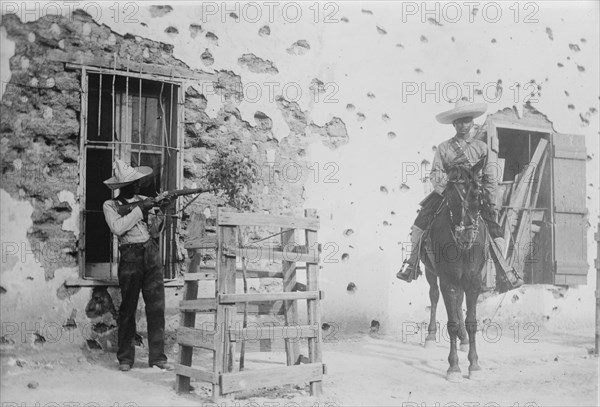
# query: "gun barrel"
189,191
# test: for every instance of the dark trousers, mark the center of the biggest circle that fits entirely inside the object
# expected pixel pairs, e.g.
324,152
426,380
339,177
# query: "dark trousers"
140,268
428,208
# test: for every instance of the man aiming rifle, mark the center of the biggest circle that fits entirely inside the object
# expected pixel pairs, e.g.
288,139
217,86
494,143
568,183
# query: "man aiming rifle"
132,218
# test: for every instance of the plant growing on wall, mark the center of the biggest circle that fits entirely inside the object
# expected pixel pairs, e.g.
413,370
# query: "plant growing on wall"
234,174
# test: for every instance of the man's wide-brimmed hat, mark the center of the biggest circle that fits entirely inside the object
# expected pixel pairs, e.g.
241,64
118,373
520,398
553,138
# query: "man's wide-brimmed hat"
462,108
125,174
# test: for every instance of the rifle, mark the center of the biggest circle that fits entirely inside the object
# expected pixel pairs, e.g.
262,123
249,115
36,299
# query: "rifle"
163,196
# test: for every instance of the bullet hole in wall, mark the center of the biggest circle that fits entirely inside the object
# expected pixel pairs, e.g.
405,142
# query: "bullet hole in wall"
39,339
375,326
300,47
212,38
207,58
93,344
264,31
160,11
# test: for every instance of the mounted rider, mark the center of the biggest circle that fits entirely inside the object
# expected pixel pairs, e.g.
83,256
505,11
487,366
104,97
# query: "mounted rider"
466,148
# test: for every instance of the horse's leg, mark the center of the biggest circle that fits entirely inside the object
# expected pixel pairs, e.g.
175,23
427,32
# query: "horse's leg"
450,293
462,332
434,296
471,323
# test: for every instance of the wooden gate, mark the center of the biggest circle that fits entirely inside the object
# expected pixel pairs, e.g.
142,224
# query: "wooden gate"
227,305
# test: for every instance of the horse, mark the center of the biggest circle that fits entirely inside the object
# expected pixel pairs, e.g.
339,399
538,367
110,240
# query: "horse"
457,243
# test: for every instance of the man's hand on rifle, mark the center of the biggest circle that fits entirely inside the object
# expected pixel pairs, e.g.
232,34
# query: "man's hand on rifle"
147,204
165,202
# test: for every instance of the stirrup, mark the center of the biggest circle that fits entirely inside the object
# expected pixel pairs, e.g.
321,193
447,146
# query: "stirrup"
508,283
407,272
516,281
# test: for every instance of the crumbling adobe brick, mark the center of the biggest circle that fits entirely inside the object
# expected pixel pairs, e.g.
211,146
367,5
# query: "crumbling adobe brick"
41,122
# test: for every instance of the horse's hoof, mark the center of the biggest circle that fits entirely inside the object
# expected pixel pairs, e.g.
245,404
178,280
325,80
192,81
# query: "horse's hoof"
429,343
475,374
464,347
454,377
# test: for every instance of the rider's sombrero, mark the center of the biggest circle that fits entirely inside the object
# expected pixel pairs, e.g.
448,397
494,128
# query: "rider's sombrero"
125,174
462,108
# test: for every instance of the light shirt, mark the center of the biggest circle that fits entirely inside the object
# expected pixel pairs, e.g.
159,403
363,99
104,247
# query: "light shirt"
130,228
447,154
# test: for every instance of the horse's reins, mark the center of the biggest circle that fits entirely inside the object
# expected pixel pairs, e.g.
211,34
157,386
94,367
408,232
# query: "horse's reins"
461,228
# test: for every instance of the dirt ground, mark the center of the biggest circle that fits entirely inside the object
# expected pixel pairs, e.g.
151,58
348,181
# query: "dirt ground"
362,369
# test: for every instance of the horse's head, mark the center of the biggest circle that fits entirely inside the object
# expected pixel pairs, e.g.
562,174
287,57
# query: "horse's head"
463,197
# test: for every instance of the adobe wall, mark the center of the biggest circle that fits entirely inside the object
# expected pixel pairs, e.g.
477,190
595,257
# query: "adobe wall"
349,94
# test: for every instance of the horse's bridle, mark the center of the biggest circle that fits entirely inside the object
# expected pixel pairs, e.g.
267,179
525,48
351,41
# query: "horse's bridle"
461,228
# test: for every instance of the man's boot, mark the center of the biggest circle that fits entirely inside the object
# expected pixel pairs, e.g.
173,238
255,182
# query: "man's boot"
511,276
408,272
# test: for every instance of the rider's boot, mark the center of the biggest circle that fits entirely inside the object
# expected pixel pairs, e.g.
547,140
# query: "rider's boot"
408,272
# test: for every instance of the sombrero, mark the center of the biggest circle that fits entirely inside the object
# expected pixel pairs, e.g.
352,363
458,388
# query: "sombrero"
462,108
125,174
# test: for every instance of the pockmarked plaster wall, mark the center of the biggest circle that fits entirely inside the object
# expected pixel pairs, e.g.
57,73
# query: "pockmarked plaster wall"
360,84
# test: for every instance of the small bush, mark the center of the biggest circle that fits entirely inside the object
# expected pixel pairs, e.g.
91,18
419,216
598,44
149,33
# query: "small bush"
234,174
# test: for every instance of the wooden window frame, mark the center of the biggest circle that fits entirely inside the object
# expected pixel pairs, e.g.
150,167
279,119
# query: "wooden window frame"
180,85
554,277
540,128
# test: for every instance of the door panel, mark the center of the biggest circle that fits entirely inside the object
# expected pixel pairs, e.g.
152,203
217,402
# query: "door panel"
570,213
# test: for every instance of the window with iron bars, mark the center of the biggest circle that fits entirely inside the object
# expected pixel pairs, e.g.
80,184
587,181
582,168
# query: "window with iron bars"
135,118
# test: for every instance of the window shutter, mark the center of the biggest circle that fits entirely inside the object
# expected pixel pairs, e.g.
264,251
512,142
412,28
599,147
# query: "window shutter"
570,212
